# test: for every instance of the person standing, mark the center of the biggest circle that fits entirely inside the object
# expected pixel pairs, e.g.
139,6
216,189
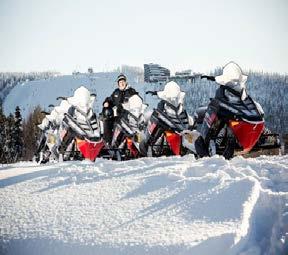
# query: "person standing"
112,105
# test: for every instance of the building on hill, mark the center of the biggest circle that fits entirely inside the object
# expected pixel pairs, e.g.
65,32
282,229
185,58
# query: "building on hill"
185,76
183,73
155,73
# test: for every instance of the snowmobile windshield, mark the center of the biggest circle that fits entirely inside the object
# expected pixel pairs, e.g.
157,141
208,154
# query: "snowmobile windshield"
63,107
82,99
174,100
172,94
61,110
52,116
135,106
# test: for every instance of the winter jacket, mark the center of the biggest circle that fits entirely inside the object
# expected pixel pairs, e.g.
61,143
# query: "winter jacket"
119,97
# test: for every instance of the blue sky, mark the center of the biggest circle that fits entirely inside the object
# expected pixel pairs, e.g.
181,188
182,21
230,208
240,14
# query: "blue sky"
196,34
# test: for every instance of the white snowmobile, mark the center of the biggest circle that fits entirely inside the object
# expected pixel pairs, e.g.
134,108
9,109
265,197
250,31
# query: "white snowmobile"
82,127
128,130
233,123
169,130
52,133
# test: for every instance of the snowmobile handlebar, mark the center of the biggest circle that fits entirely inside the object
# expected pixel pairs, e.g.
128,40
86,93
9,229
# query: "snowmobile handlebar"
63,98
209,78
51,105
46,113
153,93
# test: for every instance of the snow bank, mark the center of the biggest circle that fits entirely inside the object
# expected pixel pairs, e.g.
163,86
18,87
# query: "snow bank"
147,206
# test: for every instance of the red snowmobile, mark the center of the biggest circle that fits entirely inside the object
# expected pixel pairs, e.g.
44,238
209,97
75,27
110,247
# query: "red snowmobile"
127,131
234,122
169,128
83,127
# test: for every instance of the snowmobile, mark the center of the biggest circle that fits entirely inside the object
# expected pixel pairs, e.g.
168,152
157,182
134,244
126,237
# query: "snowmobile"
128,129
46,140
238,127
169,129
52,133
82,128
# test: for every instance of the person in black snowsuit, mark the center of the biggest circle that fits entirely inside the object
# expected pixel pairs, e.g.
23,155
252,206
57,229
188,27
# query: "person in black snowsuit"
113,104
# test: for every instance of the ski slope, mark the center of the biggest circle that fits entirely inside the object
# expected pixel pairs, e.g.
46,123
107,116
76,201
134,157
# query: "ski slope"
147,206
30,94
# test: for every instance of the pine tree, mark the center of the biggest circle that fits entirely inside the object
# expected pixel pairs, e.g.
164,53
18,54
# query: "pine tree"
2,135
17,134
9,151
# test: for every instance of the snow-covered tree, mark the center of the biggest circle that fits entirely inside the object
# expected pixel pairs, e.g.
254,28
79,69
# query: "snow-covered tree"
17,134
2,134
8,148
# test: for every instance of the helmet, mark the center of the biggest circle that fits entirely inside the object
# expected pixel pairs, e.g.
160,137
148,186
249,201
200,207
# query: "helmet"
107,112
120,77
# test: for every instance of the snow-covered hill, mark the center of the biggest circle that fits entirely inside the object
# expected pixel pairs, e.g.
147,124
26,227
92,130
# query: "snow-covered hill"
146,206
44,92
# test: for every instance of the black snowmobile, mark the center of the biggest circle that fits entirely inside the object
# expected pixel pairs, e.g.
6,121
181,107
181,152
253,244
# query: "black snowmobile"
169,129
82,138
127,130
233,122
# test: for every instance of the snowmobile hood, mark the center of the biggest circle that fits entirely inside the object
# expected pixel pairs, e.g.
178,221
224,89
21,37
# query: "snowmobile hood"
172,94
232,76
135,105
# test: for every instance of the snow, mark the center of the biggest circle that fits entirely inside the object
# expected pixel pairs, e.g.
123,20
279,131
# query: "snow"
44,92
175,205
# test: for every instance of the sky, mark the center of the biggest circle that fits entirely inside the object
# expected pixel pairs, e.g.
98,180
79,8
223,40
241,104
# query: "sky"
60,35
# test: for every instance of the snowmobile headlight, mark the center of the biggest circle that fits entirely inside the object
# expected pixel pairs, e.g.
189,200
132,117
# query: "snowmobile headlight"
51,139
234,123
168,133
137,138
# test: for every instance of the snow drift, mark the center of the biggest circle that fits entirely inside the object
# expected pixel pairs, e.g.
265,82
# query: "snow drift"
146,206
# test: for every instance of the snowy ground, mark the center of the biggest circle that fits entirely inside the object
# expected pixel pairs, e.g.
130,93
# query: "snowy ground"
147,206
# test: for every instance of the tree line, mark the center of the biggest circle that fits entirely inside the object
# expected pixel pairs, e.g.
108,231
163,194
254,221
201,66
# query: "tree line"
18,137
